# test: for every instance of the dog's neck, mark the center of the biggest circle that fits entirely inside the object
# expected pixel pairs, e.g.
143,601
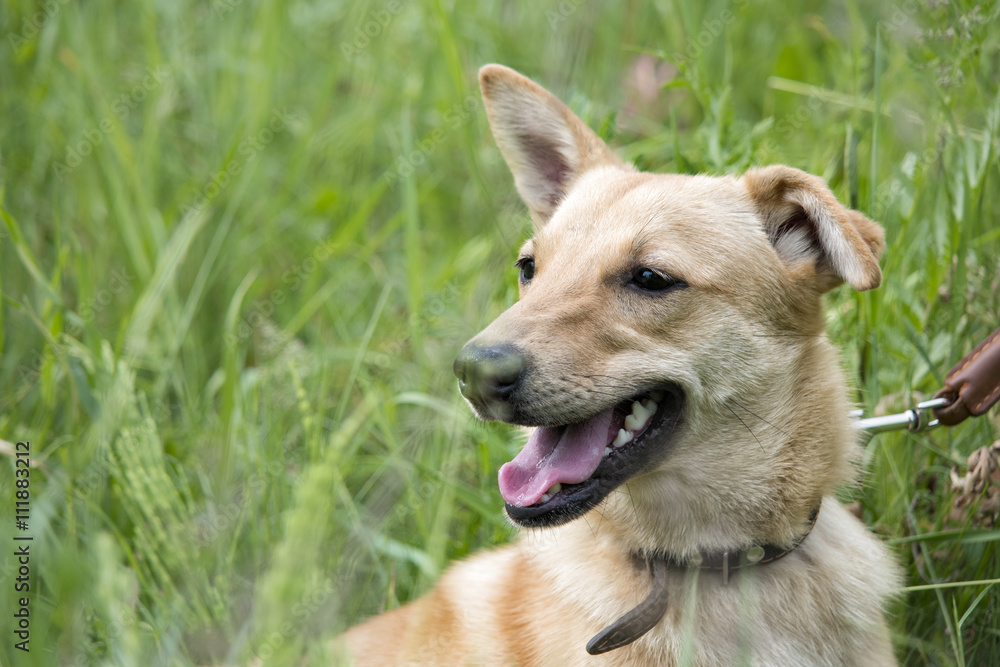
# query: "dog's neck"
642,618
729,561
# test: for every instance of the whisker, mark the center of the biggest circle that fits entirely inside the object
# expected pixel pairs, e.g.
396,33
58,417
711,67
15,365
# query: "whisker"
788,335
603,393
635,510
746,427
782,322
780,430
601,512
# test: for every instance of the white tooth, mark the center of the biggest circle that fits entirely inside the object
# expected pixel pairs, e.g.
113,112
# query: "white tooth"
545,498
640,415
556,488
623,437
607,452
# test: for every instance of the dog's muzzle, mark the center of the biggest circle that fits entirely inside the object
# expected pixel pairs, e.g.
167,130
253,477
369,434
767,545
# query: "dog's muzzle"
488,376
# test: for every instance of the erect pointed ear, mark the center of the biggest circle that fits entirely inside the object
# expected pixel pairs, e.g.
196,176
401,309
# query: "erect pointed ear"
806,223
546,147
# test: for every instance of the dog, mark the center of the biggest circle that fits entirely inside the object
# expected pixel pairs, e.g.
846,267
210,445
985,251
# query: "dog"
690,423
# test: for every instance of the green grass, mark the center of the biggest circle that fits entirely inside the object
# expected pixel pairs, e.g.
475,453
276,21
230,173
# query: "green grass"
241,248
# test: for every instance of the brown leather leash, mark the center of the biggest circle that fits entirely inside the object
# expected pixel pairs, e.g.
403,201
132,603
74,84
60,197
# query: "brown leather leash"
973,385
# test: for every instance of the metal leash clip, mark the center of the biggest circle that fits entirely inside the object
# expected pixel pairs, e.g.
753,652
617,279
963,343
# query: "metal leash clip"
920,418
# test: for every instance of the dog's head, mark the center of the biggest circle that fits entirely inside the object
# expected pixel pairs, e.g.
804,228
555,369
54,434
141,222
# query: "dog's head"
668,337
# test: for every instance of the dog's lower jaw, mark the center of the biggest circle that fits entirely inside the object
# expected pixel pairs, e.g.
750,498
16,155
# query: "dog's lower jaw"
654,423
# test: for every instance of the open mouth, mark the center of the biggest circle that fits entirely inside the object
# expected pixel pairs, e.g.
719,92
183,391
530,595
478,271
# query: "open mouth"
564,471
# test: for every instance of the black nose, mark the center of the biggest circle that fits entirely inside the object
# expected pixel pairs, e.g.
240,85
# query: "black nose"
488,374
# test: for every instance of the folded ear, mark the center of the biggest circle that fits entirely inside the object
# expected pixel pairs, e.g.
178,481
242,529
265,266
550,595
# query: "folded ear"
806,223
545,145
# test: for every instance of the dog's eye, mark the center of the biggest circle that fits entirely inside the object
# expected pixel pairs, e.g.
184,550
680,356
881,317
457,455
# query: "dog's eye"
527,266
652,281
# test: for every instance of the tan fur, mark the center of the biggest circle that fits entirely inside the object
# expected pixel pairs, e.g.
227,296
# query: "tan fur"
766,435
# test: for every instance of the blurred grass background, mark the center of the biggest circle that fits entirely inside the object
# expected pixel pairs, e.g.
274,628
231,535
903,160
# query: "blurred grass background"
243,240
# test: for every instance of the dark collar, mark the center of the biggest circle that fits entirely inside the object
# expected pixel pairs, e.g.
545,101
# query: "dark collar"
648,613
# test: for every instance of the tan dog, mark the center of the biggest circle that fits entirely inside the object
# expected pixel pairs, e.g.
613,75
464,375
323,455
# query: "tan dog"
692,423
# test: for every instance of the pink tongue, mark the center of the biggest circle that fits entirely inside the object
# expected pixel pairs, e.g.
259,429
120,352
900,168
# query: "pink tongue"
563,454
